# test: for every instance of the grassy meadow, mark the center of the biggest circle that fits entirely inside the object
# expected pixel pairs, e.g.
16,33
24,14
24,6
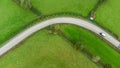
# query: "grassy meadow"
47,7
51,51
12,19
108,14
93,44
43,50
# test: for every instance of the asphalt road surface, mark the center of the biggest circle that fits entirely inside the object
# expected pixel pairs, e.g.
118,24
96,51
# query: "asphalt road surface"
79,22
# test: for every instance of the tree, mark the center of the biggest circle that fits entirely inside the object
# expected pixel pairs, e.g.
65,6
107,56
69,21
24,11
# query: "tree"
24,3
107,66
50,29
78,46
53,29
96,59
17,1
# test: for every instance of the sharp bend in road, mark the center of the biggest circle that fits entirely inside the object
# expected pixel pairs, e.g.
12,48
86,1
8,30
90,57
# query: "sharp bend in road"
79,22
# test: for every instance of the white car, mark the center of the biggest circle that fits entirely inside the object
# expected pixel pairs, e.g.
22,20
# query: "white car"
91,18
102,34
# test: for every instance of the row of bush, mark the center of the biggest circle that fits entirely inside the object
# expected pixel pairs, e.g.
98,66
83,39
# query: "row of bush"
92,13
45,17
28,4
100,2
54,29
76,45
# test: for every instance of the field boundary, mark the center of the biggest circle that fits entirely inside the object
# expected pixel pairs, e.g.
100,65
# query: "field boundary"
45,17
92,13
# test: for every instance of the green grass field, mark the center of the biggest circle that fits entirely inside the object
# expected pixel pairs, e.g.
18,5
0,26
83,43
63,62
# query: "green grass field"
93,44
82,7
108,14
51,51
12,19
44,50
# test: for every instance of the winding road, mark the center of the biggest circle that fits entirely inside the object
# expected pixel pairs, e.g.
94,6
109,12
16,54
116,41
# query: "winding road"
79,22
